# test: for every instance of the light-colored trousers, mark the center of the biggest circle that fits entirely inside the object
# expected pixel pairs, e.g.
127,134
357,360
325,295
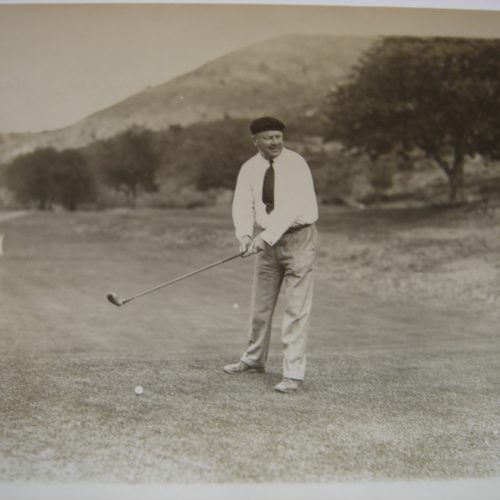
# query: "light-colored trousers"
290,263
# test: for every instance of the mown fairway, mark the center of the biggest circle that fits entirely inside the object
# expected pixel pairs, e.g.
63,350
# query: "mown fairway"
402,380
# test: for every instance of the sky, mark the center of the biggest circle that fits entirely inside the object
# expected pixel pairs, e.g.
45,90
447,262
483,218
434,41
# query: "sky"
60,63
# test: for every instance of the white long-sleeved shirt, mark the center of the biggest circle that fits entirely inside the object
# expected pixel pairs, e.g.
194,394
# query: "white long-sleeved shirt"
294,196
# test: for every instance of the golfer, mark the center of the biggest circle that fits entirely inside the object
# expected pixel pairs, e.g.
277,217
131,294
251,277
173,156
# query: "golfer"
275,200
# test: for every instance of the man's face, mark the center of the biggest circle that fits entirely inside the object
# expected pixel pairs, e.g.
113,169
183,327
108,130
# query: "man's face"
269,143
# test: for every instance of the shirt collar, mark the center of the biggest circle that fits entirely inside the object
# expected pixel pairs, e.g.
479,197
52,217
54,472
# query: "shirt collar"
275,160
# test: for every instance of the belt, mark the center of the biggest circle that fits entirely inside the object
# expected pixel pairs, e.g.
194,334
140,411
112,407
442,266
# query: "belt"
294,229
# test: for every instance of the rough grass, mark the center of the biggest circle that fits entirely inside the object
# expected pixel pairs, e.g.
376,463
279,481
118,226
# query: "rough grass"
402,378
391,413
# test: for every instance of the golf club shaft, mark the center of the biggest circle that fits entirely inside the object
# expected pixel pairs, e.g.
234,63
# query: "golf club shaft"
175,280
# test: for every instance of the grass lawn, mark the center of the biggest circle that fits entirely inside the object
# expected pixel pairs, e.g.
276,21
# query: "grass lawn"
402,379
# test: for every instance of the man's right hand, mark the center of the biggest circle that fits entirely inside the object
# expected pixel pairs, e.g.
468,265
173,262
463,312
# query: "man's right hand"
245,242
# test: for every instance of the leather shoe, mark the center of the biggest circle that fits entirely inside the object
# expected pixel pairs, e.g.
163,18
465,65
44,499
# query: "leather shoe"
241,367
288,385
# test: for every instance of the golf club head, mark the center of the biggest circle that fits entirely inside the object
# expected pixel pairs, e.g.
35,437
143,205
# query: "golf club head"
114,299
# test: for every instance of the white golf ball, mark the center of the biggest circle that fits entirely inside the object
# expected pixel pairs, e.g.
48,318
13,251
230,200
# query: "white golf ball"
236,305
139,390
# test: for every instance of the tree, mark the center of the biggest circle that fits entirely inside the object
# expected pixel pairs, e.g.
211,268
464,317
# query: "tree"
439,95
130,161
221,148
73,180
47,176
31,177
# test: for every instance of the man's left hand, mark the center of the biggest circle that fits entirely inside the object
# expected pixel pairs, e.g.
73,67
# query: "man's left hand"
257,245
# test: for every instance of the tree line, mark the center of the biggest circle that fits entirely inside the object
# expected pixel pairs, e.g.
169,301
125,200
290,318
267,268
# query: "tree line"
407,96
203,156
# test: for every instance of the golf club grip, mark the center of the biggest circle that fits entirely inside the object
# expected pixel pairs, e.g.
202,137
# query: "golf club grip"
192,273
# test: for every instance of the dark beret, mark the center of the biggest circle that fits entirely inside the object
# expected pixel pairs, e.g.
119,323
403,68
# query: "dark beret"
266,123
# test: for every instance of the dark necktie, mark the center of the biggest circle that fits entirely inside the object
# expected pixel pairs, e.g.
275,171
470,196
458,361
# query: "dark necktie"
268,188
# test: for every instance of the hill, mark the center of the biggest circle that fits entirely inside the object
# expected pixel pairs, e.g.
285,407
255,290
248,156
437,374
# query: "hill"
287,76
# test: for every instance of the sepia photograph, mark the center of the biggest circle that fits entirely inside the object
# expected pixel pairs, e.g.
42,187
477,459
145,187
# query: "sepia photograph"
249,251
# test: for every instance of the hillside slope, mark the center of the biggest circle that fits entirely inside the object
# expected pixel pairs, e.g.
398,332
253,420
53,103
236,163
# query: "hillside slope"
288,76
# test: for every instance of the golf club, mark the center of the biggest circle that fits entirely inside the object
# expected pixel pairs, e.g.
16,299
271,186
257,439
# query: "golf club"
115,299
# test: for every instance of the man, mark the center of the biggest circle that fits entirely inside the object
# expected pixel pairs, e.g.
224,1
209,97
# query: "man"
275,195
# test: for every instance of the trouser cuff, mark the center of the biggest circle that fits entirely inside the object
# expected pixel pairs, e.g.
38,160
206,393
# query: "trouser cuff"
250,362
294,376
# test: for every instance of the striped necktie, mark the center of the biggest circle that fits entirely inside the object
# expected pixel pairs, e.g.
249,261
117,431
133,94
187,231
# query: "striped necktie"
268,188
